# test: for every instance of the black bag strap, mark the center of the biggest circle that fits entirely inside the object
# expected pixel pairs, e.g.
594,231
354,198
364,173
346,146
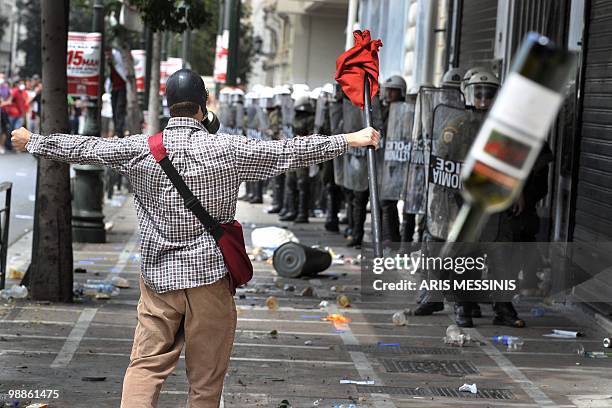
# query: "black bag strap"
191,201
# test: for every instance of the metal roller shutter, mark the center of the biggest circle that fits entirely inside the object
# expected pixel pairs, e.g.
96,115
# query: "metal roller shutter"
593,210
477,40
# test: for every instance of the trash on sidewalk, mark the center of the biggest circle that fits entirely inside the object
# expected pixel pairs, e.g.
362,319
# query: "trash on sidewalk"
381,344
14,273
469,388
399,318
337,318
307,292
14,292
271,237
513,343
563,334
358,382
80,270
93,378
272,303
607,342
284,404
293,260
273,333
259,254
323,304
343,301
120,282
38,405
456,337
289,288
100,289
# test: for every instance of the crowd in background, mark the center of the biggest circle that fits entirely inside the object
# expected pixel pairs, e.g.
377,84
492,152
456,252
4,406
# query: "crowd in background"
20,102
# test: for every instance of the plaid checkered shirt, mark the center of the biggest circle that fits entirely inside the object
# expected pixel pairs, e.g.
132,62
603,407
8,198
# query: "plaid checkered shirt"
177,251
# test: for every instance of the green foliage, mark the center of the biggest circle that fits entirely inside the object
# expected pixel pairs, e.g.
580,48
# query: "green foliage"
31,42
81,16
246,47
3,24
174,15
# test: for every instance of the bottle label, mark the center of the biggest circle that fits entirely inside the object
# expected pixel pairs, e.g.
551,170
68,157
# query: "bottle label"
510,139
526,105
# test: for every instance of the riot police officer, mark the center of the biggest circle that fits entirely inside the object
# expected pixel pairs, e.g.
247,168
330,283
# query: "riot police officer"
398,126
274,132
303,124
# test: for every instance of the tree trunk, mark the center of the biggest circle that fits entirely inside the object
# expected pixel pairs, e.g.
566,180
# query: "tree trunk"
154,102
50,274
134,114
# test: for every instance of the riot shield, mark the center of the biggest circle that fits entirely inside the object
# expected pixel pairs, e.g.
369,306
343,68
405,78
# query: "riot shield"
397,150
240,119
355,161
336,124
224,117
321,121
287,114
262,123
415,188
252,125
453,132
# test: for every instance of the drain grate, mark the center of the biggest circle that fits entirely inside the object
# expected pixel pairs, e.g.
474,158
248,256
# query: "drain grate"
489,393
382,389
444,392
402,349
452,368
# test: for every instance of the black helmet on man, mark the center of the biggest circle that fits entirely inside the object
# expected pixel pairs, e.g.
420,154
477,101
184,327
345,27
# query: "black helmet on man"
187,86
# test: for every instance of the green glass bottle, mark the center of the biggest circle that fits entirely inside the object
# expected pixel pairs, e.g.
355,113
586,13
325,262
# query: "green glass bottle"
510,140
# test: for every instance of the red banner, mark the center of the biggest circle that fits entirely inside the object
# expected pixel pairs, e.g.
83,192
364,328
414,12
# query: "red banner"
83,63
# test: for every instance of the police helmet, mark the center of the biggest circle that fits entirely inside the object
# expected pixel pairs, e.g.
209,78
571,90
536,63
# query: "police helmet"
453,77
481,89
301,102
396,82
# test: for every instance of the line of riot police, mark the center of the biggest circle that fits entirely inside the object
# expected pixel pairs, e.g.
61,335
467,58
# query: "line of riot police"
427,132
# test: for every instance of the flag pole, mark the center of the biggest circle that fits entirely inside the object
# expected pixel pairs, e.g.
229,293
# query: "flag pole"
373,183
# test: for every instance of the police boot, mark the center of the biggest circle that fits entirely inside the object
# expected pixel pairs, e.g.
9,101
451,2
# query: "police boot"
247,192
360,202
505,315
257,193
290,210
390,221
407,228
427,306
331,201
463,314
476,312
303,202
278,191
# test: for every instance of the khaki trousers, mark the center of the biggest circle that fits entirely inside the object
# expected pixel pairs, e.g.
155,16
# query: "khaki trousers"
204,320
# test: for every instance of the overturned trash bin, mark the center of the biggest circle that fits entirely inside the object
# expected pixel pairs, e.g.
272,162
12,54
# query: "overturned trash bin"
292,260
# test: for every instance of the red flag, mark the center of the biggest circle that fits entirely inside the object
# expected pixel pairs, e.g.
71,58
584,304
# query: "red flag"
353,64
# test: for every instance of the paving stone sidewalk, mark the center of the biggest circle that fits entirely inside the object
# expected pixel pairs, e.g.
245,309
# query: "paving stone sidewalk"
81,350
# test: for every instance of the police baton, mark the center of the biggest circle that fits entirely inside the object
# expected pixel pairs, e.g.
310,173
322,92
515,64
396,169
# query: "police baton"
373,182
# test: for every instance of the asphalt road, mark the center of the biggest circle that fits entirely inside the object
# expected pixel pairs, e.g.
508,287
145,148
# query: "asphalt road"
20,169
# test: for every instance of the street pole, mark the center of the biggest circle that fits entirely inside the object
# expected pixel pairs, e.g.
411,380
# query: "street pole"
88,188
220,27
372,179
186,51
148,55
232,20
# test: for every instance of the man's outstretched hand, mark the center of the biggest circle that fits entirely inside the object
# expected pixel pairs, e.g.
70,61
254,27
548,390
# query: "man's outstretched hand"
20,138
365,137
